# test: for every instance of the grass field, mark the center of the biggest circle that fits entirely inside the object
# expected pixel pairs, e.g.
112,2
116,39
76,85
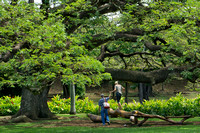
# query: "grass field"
178,129
60,126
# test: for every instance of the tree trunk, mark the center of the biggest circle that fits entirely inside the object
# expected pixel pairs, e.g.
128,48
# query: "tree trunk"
144,91
126,93
162,86
34,106
140,90
150,89
30,1
72,95
45,6
14,2
66,93
113,94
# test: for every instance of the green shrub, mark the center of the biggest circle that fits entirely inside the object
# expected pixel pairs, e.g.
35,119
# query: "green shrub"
175,106
9,106
59,105
113,104
62,106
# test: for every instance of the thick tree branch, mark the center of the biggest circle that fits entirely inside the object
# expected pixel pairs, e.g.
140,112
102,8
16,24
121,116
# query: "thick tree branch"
103,55
153,77
100,39
10,54
125,64
101,7
152,47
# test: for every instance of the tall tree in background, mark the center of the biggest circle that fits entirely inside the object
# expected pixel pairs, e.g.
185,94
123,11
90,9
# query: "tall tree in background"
39,45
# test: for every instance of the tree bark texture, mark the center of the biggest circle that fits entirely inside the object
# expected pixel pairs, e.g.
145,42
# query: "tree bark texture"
30,1
147,116
126,93
66,92
34,106
72,95
112,113
144,90
140,92
133,116
153,77
113,94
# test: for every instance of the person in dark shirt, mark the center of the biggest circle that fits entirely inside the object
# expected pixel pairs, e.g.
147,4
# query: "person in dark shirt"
104,112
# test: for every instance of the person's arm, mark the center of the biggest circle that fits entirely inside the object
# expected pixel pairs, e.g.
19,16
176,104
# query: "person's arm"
123,88
113,90
99,108
109,95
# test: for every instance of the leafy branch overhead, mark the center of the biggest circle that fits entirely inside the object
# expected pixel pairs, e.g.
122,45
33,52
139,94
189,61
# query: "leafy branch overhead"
35,51
84,40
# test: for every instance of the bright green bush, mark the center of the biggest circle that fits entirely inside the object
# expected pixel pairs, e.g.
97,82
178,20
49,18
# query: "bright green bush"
8,105
62,106
59,105
175,106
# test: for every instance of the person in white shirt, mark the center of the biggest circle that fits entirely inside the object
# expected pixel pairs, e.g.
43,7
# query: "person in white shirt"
118,88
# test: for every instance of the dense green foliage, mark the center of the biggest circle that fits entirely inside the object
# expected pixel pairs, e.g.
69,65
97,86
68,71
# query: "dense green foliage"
43,48
43,53
175,106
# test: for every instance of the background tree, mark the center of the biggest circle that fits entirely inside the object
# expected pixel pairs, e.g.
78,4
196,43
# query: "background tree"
155,37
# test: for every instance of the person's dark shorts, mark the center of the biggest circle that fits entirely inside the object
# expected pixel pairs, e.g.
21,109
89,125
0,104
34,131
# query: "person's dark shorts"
118,95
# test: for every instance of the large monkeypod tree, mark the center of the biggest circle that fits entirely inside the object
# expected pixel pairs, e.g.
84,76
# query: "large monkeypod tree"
34,52
142,43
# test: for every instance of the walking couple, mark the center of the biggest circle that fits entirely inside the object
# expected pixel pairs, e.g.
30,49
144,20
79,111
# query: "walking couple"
104,112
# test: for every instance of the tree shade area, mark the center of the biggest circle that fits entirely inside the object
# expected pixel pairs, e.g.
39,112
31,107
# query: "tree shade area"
86,41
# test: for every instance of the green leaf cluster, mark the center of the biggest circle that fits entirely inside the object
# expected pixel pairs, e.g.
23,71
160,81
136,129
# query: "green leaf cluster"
9,106
62,106
43,54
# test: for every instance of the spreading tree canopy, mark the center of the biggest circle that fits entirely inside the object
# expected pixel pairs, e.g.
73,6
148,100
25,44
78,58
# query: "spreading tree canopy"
34,51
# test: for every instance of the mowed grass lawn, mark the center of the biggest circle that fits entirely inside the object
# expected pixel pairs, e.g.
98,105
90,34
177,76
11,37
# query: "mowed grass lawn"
41,127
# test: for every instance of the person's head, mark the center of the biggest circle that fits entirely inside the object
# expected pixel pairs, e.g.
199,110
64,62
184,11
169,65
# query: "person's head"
102,95
116,82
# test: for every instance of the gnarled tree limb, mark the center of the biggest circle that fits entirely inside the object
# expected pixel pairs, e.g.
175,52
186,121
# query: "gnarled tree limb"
153,77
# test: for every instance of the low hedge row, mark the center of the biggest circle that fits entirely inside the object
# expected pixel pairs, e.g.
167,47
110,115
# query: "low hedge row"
175,106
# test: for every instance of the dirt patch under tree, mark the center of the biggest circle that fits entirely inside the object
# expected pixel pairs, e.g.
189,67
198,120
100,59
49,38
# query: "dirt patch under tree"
86,122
